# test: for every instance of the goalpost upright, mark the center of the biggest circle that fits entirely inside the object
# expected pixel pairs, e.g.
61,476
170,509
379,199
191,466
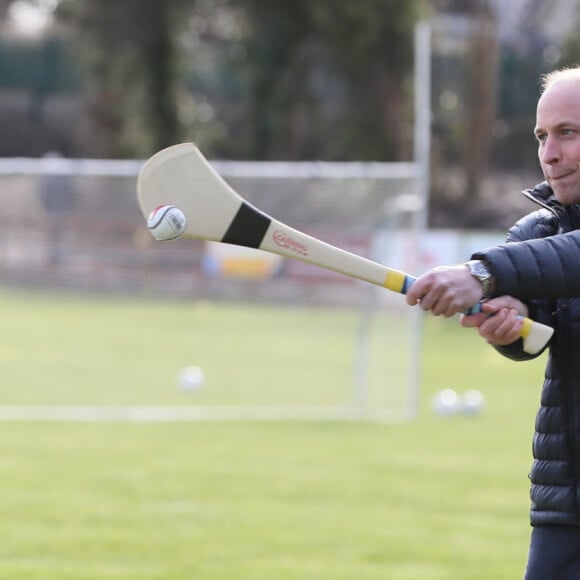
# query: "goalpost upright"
413,212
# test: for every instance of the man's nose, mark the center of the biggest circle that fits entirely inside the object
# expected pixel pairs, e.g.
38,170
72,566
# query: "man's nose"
551,152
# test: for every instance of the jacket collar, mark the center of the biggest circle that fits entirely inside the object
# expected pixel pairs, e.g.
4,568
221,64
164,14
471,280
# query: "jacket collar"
543,195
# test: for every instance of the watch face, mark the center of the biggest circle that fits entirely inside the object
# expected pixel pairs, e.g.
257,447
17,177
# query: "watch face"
479,270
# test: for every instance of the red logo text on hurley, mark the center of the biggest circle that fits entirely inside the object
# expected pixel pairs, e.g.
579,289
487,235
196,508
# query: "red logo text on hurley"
285,241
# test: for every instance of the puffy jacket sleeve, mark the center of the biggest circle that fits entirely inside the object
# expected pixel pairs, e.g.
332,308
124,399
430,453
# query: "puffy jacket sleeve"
535,268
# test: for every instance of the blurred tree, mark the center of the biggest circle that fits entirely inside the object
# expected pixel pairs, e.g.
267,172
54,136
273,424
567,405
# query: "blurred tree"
4,7
483,77
529,52
465,80
570,47
276,72
249,78
330,80
132,65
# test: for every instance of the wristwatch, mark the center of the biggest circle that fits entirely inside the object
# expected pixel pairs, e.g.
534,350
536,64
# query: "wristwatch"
479,270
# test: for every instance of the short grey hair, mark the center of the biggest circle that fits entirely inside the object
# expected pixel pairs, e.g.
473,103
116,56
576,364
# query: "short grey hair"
563,74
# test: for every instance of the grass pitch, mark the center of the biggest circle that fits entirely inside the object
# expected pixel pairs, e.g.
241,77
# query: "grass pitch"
436,499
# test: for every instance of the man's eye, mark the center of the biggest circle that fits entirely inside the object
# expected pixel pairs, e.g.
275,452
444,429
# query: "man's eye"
540,137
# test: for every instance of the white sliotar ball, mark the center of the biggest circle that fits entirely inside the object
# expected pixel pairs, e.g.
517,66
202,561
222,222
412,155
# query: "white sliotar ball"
473,402
446,403
166,222
191,379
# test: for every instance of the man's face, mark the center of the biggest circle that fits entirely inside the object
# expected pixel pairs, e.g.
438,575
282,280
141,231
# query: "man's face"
558,133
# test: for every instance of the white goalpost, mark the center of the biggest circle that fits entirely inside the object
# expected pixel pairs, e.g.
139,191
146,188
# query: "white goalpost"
408,213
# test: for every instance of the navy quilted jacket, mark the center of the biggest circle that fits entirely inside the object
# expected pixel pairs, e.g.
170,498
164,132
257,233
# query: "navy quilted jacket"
546,275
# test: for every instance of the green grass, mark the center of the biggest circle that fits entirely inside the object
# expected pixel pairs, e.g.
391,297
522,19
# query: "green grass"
435,499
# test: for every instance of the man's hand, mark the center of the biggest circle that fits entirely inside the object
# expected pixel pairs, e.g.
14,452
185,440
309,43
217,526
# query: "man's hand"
445,290
499,324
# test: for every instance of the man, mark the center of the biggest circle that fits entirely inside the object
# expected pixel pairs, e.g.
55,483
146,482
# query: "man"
537,274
